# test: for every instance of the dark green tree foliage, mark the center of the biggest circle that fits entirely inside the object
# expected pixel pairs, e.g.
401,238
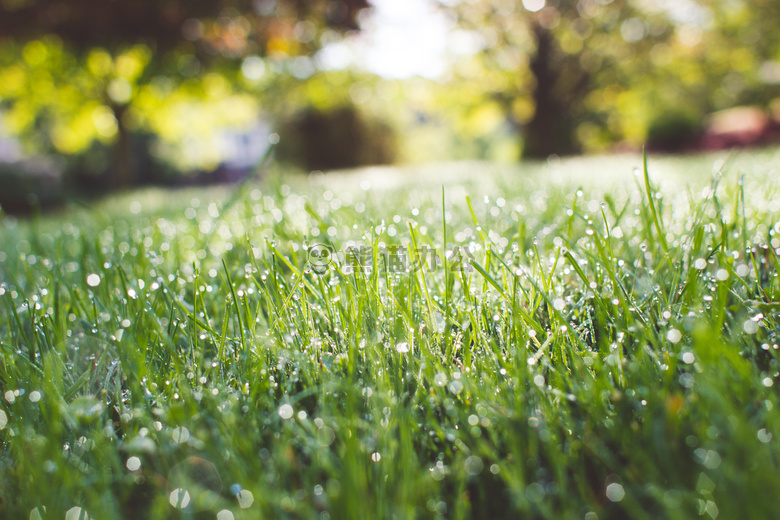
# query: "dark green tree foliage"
557,53
341,137
165,25
183,39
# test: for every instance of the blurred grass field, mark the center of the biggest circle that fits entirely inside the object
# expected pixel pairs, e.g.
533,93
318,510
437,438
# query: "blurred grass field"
600,341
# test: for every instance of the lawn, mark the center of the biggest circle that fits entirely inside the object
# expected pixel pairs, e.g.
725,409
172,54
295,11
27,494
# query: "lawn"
579,339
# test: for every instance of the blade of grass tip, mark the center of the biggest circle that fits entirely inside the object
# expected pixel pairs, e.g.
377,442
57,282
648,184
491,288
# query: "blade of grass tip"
570,222
517,310
576,266
570,329
488,278
650,199
479,229
223,339
744,213
21,331
759,288
286,303
238,309
446,265
291,266
191,315
416,261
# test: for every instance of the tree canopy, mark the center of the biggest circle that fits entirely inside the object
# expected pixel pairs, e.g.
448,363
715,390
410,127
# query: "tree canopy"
74,72
229,27
593,72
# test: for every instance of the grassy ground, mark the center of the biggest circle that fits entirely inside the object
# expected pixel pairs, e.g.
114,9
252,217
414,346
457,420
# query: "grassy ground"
598,346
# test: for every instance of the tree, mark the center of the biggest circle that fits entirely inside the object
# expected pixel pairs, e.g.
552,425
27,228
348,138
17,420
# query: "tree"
552,56
109,56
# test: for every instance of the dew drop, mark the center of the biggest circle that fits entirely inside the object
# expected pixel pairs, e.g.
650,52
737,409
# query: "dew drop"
474,465
245,499
286,411
76,513
615,492
180,434
750,327
133,463
402,348
179,498
456,387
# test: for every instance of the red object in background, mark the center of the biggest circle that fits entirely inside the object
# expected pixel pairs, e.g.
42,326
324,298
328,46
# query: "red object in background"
739,127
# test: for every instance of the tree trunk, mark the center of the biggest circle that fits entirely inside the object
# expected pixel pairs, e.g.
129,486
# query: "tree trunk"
551,130
123,168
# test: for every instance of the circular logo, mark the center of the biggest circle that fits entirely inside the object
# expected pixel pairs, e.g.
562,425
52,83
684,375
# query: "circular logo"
320,256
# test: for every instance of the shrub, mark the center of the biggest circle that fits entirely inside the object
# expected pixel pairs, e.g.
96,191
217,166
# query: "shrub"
29,185
673,130
343,137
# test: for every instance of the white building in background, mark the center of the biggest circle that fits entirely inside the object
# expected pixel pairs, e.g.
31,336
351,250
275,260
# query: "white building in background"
10,149
242,150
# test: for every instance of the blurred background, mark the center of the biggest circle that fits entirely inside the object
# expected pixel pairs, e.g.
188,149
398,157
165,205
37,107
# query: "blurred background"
99,96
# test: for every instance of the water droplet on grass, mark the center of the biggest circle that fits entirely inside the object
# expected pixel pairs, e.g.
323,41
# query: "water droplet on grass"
750,327
615,492
133,463
76,513
674,335
180,434
179,498
474,465
245,499
286,411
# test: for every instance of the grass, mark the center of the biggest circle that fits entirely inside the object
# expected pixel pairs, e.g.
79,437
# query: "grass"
590,348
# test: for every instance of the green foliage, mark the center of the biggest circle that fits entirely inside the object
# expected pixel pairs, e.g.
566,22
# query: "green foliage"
336,138
176,69
588,74
597,346
673,130
30,185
